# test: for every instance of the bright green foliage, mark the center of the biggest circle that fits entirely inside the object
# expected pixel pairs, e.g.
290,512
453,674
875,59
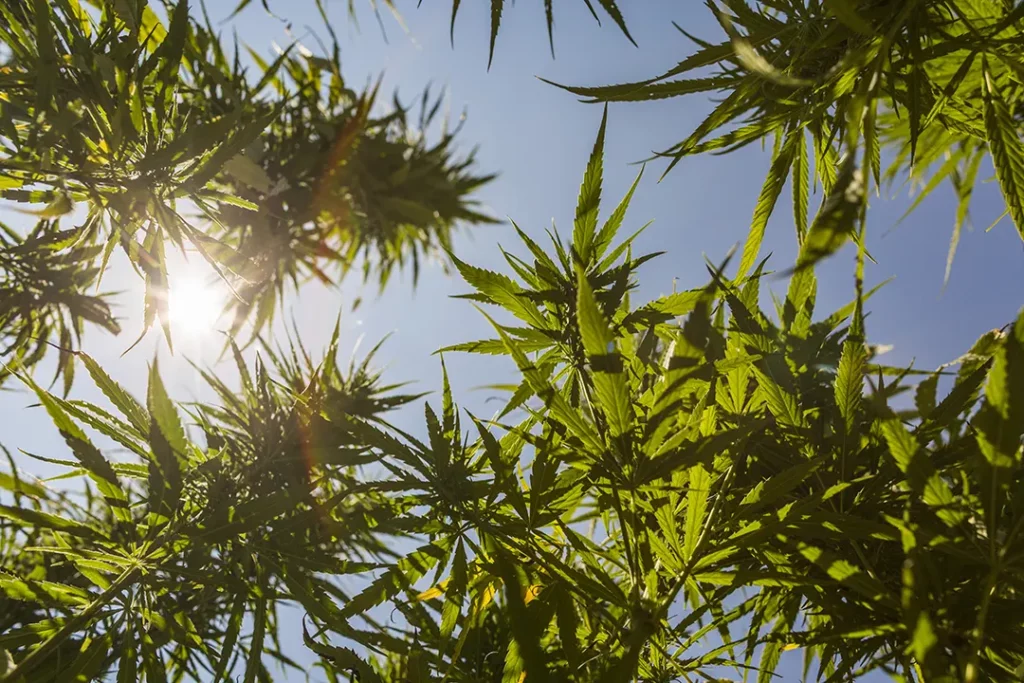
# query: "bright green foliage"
677,490
46,287
938,82
189,536
290,173
666,476
724,453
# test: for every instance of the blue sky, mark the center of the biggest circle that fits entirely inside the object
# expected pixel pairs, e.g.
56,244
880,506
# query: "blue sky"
538,138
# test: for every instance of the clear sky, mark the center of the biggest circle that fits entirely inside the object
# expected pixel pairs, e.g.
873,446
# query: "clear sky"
538,138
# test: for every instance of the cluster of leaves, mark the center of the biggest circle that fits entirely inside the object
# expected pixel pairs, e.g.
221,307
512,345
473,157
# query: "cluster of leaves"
686,479
942,80
671,491
289,171
44,277
170,552
700,494
938,82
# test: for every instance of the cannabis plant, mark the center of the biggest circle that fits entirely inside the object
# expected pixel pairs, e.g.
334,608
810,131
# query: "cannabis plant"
680,489
661,498
153,574
272,172
936,82
672,489
942,80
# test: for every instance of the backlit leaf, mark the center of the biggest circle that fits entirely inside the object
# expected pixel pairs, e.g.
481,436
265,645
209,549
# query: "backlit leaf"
1007,151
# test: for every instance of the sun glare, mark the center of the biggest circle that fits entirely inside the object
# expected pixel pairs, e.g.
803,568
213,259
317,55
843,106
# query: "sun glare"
194,302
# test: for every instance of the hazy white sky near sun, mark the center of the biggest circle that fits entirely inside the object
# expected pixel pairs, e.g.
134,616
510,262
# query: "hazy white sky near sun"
538,138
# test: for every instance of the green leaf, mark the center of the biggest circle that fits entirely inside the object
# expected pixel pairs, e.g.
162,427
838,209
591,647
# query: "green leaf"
227,150
568,622
127,665
611,227
86,666
1005,387
699,488
108,425
16,484
748,55
925,395
249,173
605,361
100,470
644,90
800,299
923,639
43,592
770,656
936,179
964,187
172,46
514,669
163,412
154,265
439,446
613,11
800,181
560,409
116,394
849,386
589,202
502,291
45,520
837,218
782,404
845,573
46,70
770,191
771,490
167,441
727,110
1007,151
231,199
665,308
525,627
496,7
921,475
449,413
455,592
127,11
1000,421
451,29
549,19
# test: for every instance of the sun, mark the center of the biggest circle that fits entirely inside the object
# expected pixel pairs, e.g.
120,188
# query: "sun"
195,301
